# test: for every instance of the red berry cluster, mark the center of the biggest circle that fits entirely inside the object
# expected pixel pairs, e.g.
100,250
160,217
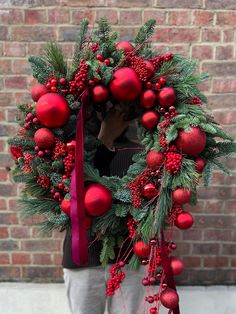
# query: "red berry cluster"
168,114
173,212
153,310
42,152
173,160
29,120
155,261
27,162
196,101
61,186
159,60
132,226
78,84
117,276
94,47
100,58
69,163
53,84
44,181
163,140
59,149
138,64
56,195
151,299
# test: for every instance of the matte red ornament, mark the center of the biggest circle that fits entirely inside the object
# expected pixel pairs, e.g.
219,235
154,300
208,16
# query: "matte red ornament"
125,85
155,159
147,99
176,265
169,298
181,196
191,142
184,220
200,164
150,68
125,45
150,119
149,190
16,151
142,249
52,110
100,94
37,91
166,97
97,200
44,138
65,206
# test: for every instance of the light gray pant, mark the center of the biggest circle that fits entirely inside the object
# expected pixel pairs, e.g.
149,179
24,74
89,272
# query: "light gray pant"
86,291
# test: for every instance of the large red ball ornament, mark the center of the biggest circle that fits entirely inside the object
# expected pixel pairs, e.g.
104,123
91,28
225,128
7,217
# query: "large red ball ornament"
150,119
149,190
125,85
97,200
166,97
176,265
200,164
191,142
184,220
44,138
142,249
65,206
154,159
125,45
169,298
37,91
181,196
147,99
150,68
100,94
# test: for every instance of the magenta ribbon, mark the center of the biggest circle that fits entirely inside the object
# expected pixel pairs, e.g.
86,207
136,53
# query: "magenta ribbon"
77,214
167,268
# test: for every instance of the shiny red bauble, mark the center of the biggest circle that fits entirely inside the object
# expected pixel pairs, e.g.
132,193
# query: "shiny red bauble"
176,265
191,142
125,45
100,94
125,85
65,206
149,190
97,200
150,119
44,138
154,159
200,164
150,68
169,298
147,99
142,249
181,196
52,110
166,97
184,220
37,91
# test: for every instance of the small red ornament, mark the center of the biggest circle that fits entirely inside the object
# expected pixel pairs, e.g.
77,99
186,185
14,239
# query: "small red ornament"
181,196
150,119
150,68
52,110
166,97
169,298
184,220
155,159
142,249
37,91
153,310
147,99
16,151
176,265
191,142
65,206
149,190
200,164
97,200
100,94
125,85
44,138
125,45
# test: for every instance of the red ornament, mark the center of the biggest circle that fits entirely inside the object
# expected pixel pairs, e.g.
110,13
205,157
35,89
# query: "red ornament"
16,152
125,85
184,220
125,45
176,265
169,298
65,206
150,119
52,110
149,190
191,142
150,68
37,91
153,310
181,196
44,138
200,164
166,97
154,159
142,249
98,199
147,99
100,94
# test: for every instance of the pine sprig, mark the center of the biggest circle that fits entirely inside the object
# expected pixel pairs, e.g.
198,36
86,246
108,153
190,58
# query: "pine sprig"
41,70
80,43
145,32
54,57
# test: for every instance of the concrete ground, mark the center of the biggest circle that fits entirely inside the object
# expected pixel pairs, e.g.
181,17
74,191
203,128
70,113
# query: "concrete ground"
28,298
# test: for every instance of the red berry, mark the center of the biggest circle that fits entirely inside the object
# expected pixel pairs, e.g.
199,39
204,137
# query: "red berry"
63,81
99,57
162,80
36,121
53,89
54,82
107,62
40,153
157,86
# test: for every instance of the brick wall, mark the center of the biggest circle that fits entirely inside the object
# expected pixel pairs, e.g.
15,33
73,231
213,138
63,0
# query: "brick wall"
203,29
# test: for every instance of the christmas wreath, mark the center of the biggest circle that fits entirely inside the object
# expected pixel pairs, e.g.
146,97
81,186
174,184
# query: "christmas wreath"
54,151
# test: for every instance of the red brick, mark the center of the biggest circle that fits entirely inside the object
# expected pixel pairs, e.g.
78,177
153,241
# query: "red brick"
35,17
192,234
4,259
127,33
183,248
233,262
11,16
22,97
21,66
211,34
179,18
228,35
130,17
41,245
220,68
198,208
218,235
16,82
82,3
12,114
5,99
216,261
229,249
179,4
8,130
5,66
226,18
225,117
21,258
58,16
159,16
8,218
42,259
9,245
206,248
20,232
203,18
213,205
3,204
224,85
221,101
10,273
176,35
57,259
3,33
78,15
2,115
68,33
111,15
126,3
219,4
36,33
230,206
180,49
36,233
4,233
7,189
191,261
214,221
224,52
2,147
202,52
13,49
34,273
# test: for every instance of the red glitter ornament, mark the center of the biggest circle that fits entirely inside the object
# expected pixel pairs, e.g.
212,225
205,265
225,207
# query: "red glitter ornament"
149,190
169,298
150,119
147,99
100,94
181,196
125,45
184,220
37,91
176,265
142,249
155,159
166,97
44,138
200,164
16,151
65,206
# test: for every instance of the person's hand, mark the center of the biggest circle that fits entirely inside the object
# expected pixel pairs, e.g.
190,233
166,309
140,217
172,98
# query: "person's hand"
112,127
